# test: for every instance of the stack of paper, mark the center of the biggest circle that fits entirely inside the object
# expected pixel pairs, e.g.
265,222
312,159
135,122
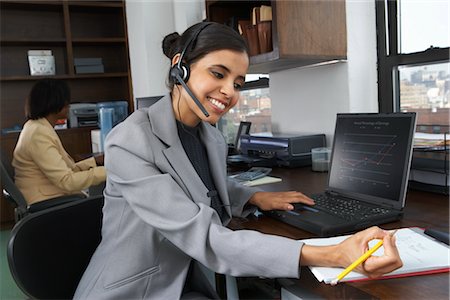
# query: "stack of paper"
430,140
420,254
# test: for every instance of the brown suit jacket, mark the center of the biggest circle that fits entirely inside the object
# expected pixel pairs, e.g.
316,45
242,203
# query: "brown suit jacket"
43,169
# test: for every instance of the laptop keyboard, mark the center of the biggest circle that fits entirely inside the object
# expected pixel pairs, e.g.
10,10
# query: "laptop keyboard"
348,209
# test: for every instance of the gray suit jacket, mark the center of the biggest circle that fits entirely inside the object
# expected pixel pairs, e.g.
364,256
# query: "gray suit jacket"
157,216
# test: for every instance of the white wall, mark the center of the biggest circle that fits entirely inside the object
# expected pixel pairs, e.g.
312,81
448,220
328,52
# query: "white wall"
303,99
307,99
187,13
362,56
148,22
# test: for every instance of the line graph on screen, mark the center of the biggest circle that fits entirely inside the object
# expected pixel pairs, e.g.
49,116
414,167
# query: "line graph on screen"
367,158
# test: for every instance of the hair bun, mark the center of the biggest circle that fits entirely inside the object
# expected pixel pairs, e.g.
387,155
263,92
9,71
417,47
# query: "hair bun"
169,44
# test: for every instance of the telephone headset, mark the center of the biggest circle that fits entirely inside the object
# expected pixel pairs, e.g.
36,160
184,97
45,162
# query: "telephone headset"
180,71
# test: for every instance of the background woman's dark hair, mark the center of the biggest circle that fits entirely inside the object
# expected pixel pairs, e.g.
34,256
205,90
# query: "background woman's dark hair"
46,97
212,38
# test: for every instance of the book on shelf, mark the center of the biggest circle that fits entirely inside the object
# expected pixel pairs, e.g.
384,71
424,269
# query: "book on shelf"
87,61
41,62
420,253
88,65
265,13
89,69
257,31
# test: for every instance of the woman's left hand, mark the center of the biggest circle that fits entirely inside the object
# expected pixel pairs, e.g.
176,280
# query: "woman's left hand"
279,200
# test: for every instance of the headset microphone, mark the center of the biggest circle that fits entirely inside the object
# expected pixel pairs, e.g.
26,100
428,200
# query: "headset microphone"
180,72
188,90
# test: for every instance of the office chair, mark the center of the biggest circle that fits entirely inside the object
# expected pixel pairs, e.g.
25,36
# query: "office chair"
15,197
10,190
48,251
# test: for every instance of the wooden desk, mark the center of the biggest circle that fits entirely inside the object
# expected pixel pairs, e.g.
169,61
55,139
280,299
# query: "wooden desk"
422,210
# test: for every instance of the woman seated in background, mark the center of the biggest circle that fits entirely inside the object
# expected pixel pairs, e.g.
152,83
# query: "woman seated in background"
43,168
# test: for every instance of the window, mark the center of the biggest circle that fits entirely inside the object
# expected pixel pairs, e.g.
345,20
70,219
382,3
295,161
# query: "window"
413,58
253,106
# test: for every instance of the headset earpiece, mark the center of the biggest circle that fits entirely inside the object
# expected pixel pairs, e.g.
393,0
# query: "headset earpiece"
183,72
180,71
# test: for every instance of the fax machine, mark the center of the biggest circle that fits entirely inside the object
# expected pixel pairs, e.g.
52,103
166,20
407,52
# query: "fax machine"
83,115
286,150
89,114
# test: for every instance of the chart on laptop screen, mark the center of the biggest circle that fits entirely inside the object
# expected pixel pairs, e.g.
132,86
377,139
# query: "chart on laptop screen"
371,154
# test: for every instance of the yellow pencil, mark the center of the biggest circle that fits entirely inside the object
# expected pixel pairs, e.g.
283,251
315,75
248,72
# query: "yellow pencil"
360,260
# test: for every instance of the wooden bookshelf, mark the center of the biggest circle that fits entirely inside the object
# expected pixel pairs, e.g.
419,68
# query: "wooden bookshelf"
303,32
71,29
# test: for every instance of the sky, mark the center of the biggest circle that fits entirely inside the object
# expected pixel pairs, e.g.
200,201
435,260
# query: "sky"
424,23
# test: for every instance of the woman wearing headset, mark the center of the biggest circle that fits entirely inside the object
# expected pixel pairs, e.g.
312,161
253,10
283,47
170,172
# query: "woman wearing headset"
168,199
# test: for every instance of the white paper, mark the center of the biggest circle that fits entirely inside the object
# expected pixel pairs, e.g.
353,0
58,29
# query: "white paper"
427,140
417,251
262,180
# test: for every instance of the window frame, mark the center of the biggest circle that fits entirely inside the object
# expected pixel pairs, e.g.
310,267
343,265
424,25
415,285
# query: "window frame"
389,57
262,82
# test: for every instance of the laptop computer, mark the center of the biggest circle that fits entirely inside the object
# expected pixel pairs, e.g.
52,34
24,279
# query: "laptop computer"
368,175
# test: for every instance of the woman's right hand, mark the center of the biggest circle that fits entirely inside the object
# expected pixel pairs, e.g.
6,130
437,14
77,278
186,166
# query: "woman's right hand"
349,250
356,245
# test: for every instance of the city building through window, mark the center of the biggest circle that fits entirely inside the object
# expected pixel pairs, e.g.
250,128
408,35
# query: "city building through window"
253,106
413,60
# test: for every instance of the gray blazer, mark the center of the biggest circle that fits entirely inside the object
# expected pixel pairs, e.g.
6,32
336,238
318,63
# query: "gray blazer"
157,217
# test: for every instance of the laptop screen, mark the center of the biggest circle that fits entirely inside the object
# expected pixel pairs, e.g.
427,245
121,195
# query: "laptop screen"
371,157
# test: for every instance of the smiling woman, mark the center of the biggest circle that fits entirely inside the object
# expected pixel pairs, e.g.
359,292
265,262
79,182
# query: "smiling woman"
168,198
217,84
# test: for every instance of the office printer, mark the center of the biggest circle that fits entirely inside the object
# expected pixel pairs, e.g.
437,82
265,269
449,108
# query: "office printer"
284,150
83,115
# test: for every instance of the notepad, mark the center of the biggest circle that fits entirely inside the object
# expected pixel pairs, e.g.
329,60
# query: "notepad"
420,254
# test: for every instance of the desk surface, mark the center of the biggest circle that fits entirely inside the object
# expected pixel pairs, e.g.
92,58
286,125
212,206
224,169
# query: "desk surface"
422,210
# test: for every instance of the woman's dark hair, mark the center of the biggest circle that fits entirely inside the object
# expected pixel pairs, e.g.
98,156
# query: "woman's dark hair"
46,97
211,38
